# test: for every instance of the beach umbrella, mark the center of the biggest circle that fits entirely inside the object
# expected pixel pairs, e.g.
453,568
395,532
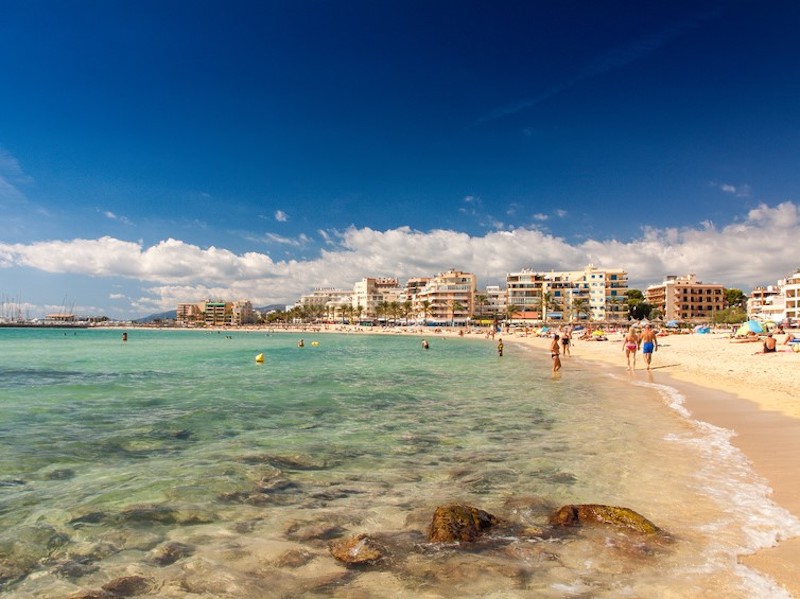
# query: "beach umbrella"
751,326
754,326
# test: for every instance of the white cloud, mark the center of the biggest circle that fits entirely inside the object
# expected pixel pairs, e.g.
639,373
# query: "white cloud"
740,191
756,249
111,216
281,216
11,177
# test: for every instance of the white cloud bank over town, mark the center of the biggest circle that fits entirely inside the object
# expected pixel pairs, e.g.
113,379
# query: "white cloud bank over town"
757,249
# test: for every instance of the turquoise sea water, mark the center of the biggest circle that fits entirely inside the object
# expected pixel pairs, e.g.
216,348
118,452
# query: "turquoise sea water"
177,443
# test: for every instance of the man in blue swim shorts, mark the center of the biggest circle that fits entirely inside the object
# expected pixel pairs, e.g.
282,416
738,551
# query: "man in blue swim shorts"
649,344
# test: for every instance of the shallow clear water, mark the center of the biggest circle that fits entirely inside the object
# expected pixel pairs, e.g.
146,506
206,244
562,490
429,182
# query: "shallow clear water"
109,451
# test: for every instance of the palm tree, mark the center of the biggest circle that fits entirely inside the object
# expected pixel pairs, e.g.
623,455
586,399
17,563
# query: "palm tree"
454,306
394,308
511,309
480,302
426,310
548,303
580,306
407,307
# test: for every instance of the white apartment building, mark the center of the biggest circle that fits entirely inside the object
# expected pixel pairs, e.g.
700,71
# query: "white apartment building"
494,304
525,292
767,303
323,300
791,291
599,292
779,302
449,297
370,292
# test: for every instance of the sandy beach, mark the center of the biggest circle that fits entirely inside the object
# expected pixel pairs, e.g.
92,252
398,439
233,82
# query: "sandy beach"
731,385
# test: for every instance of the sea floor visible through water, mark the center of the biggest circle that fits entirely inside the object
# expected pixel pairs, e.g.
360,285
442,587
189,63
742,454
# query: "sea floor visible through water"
177,458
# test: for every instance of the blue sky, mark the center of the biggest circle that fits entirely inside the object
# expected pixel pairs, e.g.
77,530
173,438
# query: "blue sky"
157,152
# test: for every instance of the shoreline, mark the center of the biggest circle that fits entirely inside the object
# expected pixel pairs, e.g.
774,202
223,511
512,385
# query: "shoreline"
730,386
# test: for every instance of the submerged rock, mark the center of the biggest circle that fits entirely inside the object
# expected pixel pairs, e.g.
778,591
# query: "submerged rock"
169,553
621,517
460,523
128,586
286,462
92,594
357,550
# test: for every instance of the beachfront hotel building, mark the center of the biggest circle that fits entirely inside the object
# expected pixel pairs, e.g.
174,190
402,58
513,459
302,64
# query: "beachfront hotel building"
493,306
685,298
767,303
215,313
597,294
371,292
791,294
449,297
525,293
325,301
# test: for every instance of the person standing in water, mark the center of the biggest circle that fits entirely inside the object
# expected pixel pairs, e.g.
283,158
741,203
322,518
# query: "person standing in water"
629,345
425,344
555,351
500,348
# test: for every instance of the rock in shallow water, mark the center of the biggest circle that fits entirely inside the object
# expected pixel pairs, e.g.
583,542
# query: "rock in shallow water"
128,586
576,515
460,523
360,549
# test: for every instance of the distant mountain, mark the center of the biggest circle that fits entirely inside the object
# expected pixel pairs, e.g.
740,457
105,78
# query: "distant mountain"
172,314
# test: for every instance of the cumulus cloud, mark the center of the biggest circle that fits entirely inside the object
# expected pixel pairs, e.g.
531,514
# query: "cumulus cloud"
742,254
281,216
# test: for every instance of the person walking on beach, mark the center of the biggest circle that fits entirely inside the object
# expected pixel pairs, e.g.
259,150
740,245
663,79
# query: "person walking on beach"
649,344
555,350
566,341
629,345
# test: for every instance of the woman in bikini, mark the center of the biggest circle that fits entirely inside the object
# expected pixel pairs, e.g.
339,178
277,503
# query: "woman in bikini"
555,350
629,345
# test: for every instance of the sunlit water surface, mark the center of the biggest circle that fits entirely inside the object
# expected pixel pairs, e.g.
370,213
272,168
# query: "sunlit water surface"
176,457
